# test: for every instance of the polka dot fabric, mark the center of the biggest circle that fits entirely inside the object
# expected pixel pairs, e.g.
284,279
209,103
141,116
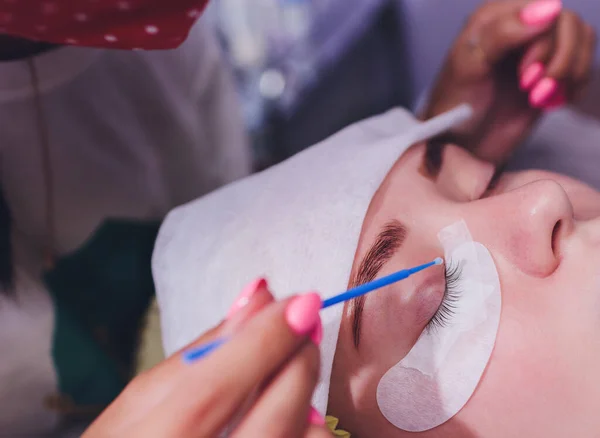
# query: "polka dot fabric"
117,24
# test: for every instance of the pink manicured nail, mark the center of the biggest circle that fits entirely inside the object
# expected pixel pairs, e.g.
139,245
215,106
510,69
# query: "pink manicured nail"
531,75
315,418
541,12
542,92
244,298
317,334
302,314
558,100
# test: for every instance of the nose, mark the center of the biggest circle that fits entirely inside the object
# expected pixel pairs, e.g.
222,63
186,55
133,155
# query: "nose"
531,223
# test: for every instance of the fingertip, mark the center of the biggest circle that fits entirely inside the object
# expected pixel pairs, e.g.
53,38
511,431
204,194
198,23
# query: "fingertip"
531,76
315,418
246,296
556,101
540,12
302,313
505,34
542,91
254,298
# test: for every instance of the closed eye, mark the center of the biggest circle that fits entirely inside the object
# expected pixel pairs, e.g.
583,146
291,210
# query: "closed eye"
447,309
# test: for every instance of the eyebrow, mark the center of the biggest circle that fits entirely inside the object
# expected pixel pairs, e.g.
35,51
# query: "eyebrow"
388,241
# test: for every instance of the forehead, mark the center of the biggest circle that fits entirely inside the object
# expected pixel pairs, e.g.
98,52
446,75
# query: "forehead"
395,199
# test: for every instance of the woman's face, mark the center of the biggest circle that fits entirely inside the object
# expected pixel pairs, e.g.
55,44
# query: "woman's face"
543,232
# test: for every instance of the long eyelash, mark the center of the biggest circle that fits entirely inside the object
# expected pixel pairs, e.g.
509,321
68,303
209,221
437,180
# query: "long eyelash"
447,309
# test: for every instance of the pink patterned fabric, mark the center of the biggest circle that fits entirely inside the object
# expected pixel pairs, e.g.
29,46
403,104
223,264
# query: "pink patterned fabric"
119,24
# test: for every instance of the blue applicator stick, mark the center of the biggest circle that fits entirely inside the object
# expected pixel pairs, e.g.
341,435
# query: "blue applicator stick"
196,353
377,284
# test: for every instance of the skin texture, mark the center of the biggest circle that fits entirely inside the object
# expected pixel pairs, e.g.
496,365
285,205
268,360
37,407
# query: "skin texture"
543,232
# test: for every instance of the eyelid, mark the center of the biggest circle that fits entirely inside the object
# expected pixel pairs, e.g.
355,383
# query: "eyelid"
430,295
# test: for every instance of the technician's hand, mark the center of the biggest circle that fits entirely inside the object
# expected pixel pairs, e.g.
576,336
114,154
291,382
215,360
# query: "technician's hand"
261,381
512,60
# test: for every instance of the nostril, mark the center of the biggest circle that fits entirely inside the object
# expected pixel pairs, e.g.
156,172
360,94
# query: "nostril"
555,232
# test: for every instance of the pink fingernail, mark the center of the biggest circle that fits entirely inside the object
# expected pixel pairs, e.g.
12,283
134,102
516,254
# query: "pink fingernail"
315,418
541,12
542,92
247,293
302,314
557,101
531,75
317,334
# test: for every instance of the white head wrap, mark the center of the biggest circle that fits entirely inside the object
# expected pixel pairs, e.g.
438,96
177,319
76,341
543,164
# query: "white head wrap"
297,224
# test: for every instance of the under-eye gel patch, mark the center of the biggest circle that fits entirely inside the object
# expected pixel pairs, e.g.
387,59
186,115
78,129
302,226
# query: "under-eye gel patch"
439,375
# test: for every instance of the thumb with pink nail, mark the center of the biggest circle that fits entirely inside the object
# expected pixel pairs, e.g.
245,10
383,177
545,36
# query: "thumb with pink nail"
511,62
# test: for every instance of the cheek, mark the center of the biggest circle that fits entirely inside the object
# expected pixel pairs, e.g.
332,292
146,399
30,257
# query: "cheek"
515,384
539,372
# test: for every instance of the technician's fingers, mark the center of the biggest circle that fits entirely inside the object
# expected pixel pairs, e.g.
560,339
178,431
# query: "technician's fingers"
498,28
540,50
569,34
285,400
217,385
253,298
532,67
583,68
567,70
168,374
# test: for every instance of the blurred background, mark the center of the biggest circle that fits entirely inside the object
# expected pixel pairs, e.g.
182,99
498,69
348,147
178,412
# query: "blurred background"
307,68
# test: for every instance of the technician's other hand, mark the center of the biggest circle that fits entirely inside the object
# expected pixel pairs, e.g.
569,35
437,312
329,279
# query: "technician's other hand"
512,60
258,384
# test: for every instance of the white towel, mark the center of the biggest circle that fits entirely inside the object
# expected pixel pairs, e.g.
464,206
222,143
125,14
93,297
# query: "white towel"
297,224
